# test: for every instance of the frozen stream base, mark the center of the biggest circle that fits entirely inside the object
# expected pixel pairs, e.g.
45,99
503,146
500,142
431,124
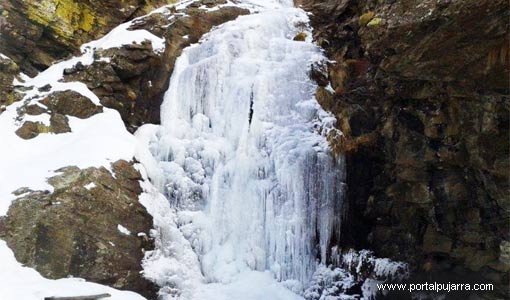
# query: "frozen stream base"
250,285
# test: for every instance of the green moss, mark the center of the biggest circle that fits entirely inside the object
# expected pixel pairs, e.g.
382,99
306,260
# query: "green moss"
365,18
375,22
41,128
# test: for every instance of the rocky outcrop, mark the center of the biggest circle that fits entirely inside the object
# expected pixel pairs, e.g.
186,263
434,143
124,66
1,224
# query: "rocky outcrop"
133,79
36,33
422,97
58,105
91,226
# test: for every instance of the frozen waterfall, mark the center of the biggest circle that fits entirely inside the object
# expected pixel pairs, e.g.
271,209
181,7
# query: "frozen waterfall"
242,152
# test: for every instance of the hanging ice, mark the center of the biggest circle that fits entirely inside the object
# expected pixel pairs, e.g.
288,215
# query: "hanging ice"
242,151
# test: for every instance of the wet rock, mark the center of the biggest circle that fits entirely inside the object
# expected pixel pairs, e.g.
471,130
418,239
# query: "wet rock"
73,231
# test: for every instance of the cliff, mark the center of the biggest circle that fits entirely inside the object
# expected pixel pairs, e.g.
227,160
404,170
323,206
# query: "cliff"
421,92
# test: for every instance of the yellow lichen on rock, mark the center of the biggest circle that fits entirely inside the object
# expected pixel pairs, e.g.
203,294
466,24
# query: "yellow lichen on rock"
151,5
64,17
42,12
375,22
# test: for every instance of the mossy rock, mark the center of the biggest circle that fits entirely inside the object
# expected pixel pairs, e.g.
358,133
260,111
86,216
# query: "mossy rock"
365,18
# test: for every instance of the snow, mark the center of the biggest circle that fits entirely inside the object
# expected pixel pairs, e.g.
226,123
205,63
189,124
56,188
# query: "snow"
383,267
90,186
19,282
120,36
123,230
28,163
250,285
330,284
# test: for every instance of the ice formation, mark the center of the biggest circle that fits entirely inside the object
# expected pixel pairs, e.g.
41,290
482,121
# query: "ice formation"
242,154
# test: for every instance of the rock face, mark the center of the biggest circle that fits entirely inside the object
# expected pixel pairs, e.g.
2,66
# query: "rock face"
421,92
8,71
75,229
35,33
135,78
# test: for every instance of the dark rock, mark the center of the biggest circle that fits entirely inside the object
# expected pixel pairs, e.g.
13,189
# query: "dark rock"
211,3
434,241
30,130
71,103
422,97
59,123
8,71
45,88
319,73
73,231
34,110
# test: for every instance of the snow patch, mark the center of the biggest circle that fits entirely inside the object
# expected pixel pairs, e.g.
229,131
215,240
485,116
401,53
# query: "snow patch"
123,230
90,186
19,282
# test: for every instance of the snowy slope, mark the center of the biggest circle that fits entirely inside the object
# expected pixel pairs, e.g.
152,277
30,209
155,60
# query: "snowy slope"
27,163
93,142
22,283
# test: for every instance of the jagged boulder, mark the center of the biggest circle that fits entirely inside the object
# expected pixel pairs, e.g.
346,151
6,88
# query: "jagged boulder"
91,226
